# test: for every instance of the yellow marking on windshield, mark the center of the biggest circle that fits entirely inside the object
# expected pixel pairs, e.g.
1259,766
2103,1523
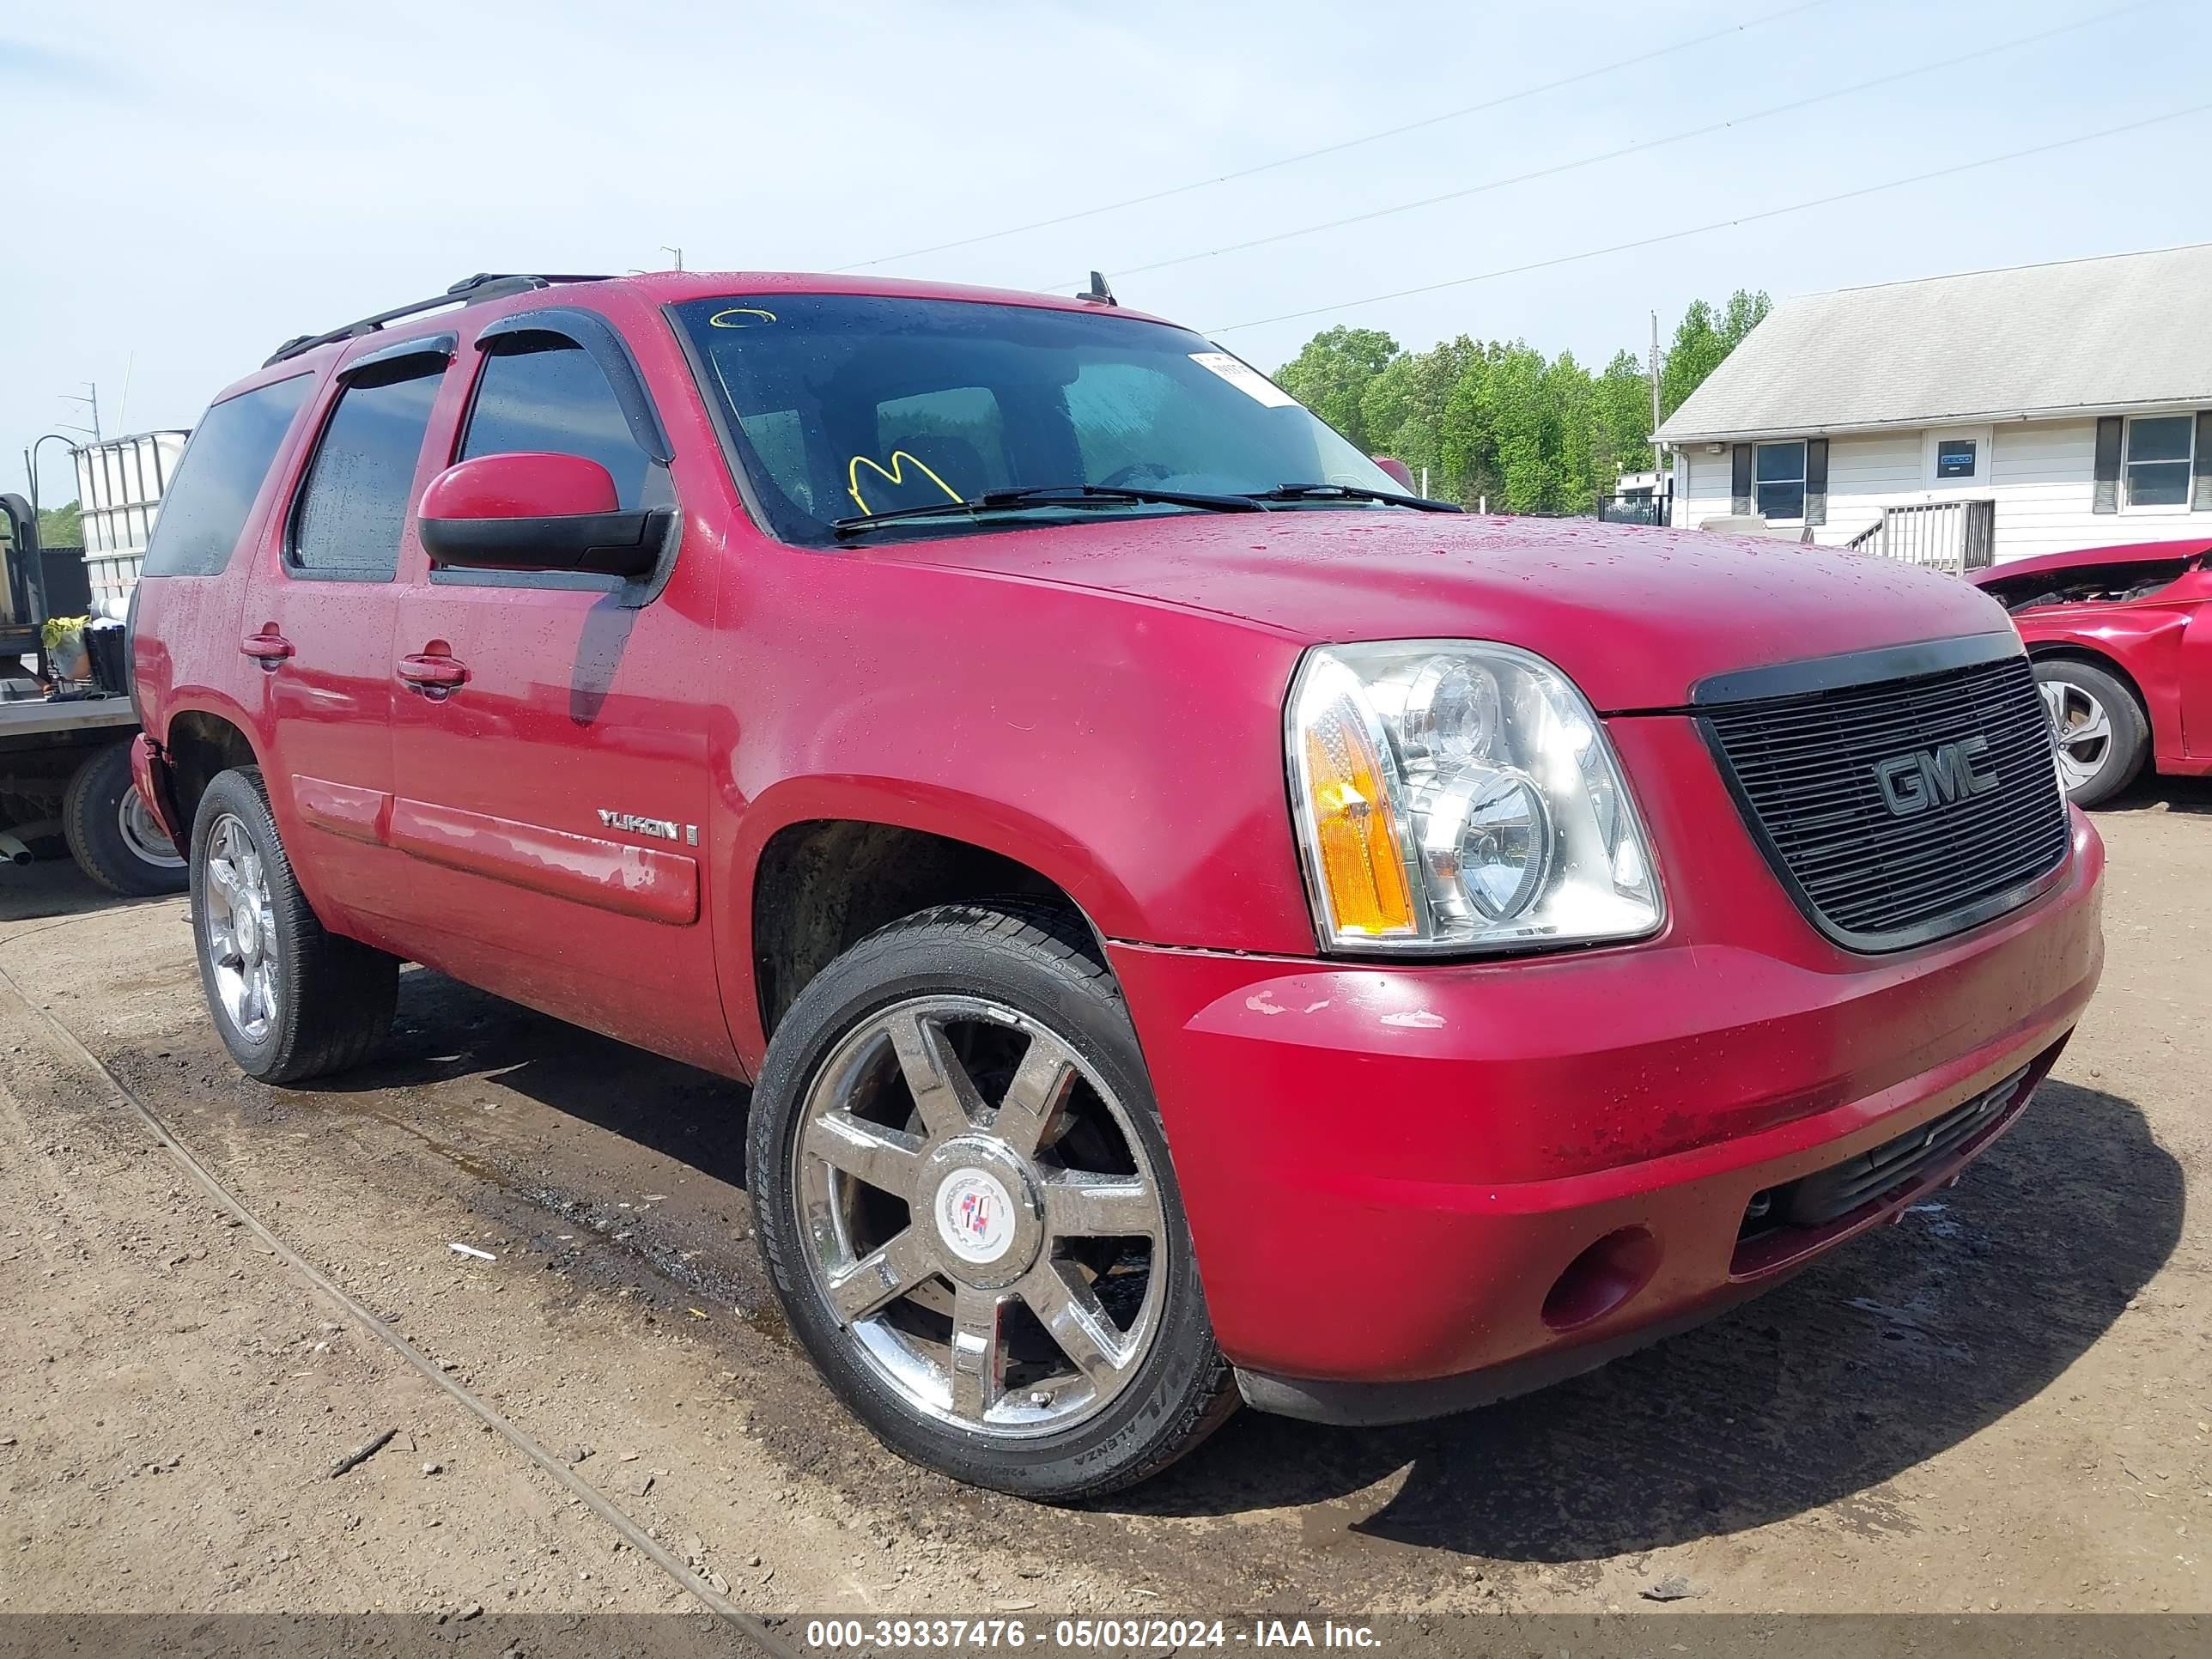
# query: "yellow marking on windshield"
894,474
715,321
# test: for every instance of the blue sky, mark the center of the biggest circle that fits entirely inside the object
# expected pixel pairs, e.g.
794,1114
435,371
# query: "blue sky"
203,181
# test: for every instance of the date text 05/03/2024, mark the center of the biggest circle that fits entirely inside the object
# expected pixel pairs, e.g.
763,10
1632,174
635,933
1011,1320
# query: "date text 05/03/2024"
1086,1634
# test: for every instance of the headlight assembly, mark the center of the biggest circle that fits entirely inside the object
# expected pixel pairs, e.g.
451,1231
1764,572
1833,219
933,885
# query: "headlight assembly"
1454,796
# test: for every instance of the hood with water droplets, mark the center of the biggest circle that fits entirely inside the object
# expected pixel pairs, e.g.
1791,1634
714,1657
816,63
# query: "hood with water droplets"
1635,616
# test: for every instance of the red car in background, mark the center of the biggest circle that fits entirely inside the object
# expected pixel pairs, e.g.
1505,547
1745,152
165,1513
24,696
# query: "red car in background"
2123,648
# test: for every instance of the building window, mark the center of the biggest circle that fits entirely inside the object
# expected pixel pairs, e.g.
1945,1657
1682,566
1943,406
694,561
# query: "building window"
2161,449
1779,482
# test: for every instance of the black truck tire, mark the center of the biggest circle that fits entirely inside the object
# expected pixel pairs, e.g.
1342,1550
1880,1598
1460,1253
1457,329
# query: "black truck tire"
112,836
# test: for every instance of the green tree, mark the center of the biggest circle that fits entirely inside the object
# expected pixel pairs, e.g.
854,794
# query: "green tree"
1702,340
1523,432
1332,373
1746,311
1510,409
61,526
1501,422
1621,401
1403,409
1695,352
1569,437
1467,438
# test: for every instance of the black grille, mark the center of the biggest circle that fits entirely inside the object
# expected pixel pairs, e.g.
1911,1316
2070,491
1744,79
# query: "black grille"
1834,1193
1805,770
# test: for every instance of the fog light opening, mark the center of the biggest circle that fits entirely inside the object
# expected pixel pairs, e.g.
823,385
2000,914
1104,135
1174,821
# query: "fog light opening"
1602,1278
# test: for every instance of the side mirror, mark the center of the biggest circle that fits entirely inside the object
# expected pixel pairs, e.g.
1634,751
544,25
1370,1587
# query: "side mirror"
1397,469
531,511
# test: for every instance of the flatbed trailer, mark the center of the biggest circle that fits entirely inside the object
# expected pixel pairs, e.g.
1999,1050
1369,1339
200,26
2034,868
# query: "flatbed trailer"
66,757
59,715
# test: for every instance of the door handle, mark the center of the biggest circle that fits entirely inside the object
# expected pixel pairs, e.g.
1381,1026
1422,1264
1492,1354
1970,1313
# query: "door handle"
432,675
268,648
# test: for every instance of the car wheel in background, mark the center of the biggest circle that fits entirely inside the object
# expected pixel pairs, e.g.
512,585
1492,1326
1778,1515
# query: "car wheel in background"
2102,736
965,1201
290,999
112,836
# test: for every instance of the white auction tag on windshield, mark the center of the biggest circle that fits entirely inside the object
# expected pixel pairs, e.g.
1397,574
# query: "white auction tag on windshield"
1246,379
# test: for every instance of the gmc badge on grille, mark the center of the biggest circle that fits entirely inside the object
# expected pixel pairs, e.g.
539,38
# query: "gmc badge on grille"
1927,777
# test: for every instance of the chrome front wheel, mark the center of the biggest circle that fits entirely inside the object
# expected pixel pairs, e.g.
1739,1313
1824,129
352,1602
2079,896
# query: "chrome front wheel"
963,1194
981,1215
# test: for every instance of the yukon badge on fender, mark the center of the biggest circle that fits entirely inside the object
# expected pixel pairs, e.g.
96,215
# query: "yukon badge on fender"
1915,782
659,829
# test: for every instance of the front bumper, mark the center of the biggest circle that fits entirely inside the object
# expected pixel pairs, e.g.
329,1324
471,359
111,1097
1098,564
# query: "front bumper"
1414,1189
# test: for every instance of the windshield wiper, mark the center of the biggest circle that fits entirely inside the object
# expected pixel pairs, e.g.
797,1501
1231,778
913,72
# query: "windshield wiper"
1043,496
1336,492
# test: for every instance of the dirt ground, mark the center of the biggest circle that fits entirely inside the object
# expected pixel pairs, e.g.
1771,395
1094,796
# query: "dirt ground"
2005,1403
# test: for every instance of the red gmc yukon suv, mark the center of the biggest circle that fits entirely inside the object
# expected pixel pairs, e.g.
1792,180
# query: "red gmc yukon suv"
1200,923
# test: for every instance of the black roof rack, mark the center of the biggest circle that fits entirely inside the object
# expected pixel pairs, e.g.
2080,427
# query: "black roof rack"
469,290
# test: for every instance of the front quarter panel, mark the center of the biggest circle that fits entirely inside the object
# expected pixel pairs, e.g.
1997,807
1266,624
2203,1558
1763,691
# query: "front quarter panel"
2145,640
1129,751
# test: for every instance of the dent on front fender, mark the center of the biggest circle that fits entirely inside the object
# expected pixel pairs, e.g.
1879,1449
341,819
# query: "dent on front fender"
2139,645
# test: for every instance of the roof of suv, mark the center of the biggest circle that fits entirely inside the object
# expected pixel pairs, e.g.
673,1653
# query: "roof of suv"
666,287
671,287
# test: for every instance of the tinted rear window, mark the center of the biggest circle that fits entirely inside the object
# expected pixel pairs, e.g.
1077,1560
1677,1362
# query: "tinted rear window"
204,514
354,498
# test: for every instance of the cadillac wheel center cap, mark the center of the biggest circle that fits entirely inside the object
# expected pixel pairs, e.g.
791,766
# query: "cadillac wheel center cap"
975,1216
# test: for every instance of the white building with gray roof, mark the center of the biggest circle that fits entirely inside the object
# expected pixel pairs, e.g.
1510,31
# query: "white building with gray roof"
1995,413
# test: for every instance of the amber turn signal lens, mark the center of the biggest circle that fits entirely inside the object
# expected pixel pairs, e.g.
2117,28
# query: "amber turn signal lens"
1356,842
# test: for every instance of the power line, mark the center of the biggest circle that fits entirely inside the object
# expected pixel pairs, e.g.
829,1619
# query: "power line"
1637,148
1344,144
1723,224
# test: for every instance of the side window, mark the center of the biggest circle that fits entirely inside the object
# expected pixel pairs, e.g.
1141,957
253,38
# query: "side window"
547,395
205,510
354,501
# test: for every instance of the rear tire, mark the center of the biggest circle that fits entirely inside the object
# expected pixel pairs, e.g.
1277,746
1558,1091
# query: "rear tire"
112,836
992,1270
2101,733
290,999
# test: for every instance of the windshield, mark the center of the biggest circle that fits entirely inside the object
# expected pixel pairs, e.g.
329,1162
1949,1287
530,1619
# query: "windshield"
850,404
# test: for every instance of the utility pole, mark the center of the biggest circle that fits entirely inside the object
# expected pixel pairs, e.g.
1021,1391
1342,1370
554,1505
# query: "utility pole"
1663,484
1654,371
91,402
677,252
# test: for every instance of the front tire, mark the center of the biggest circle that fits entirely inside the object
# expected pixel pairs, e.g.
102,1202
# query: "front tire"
964,1199
290,999
2101,733
113,836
